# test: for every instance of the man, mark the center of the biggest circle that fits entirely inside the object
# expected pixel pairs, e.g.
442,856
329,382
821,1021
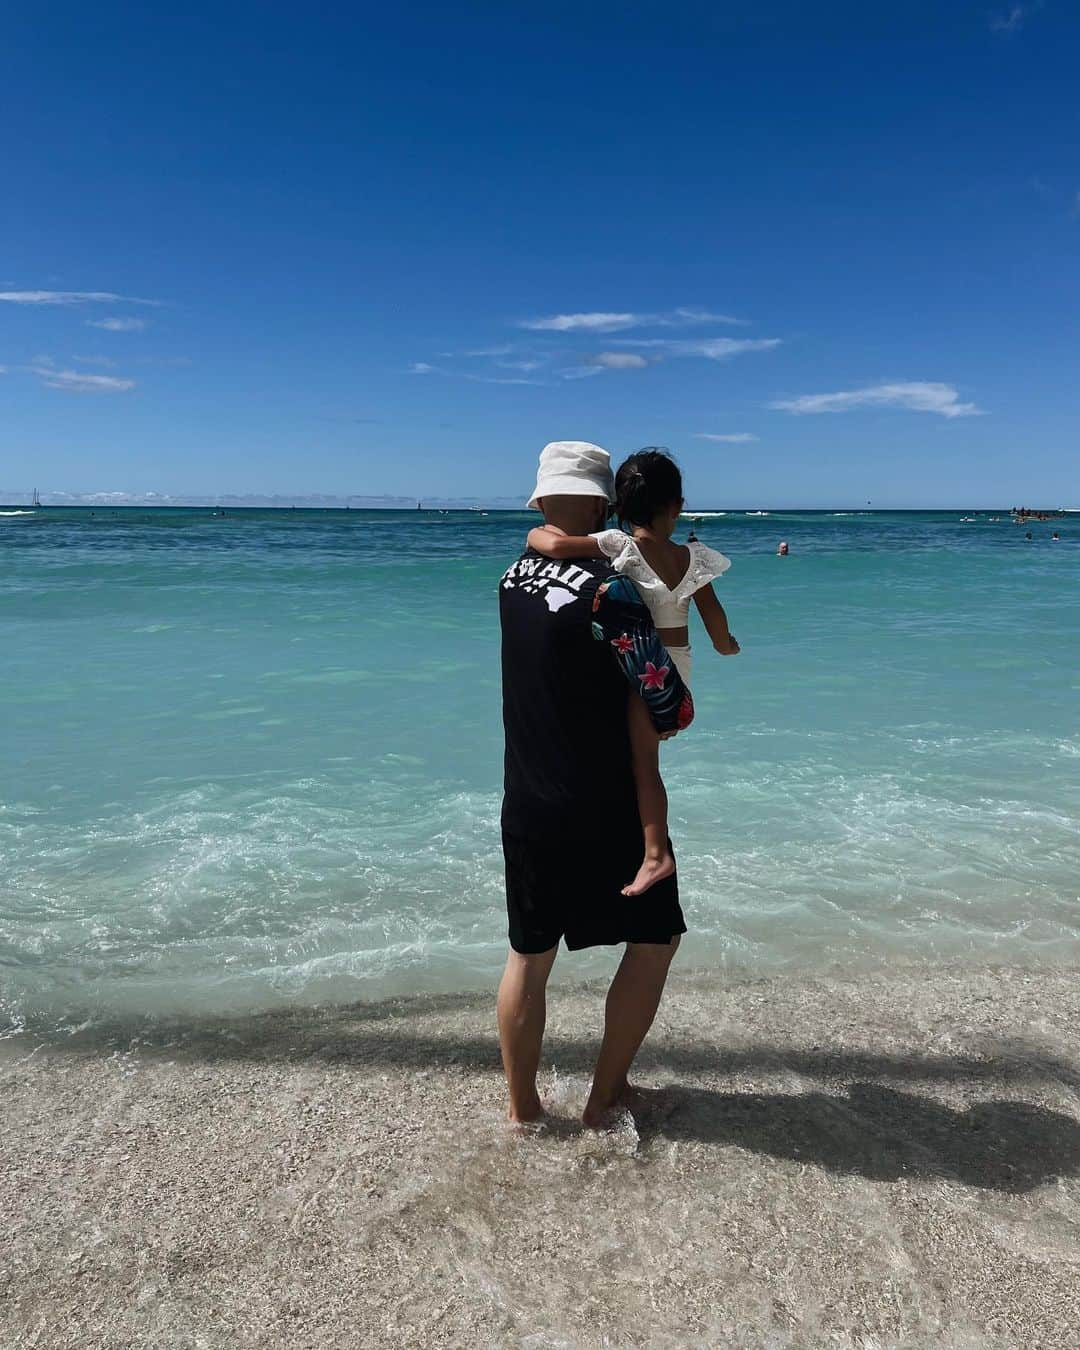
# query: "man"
575,635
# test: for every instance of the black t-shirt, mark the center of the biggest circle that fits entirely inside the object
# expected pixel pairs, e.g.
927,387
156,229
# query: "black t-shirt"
567,764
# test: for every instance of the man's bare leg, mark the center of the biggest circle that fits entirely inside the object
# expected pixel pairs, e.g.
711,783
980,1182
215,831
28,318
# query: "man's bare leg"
522,1010
632,1002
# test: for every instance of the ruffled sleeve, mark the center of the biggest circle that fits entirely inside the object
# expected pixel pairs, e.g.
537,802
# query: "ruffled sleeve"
705,566
612,542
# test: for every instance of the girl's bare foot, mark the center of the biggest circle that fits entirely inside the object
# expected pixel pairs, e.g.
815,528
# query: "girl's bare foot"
650,872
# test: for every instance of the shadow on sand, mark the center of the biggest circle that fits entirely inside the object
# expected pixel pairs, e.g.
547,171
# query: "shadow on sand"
882,1134
846,1122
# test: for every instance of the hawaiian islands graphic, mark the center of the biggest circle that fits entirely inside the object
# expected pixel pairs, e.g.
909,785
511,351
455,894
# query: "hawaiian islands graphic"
556,597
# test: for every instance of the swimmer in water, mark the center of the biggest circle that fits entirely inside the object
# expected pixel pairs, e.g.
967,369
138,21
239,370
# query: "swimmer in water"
782,549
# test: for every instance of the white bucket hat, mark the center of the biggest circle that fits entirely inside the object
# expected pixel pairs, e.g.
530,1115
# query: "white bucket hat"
573,469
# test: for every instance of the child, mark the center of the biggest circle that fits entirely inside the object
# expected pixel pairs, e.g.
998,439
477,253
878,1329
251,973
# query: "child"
648,497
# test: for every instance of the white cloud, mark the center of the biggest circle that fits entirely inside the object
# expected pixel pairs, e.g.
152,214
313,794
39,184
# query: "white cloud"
580,372
424,368
79,382
617,361
1008,23
728,438
505,356
568,365
591,323
1014,18
602,321
117,325
70,298
914,395
493,379
684,317
714,349
93,360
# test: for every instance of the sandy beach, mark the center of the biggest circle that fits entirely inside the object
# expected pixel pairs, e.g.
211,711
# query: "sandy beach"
892,1160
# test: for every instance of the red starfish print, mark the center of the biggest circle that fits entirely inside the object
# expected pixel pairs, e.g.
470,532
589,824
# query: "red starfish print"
654,678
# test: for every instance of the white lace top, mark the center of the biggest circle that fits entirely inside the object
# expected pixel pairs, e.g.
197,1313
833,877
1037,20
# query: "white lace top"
669,608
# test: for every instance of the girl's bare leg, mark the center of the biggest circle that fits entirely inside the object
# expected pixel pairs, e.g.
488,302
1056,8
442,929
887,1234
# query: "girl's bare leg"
652,799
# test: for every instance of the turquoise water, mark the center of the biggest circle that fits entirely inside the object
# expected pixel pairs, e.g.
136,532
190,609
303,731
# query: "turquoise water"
255,758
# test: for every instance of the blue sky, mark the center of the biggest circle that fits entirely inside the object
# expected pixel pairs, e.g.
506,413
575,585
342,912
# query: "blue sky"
826,254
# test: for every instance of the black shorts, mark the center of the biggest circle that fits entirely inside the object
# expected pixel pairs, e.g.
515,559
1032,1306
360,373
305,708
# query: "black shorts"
559,888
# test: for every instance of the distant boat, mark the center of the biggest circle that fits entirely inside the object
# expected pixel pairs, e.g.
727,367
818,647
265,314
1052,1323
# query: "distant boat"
37,499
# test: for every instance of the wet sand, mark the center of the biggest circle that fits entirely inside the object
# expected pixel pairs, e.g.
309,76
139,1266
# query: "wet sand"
892,1160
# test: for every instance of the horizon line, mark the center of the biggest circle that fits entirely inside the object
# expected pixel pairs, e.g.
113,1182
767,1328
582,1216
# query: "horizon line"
393,502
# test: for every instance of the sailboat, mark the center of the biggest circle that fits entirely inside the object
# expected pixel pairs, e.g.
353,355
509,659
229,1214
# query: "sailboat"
37,500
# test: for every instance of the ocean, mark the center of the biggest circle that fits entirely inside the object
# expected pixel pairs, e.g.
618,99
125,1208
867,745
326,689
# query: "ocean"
253,759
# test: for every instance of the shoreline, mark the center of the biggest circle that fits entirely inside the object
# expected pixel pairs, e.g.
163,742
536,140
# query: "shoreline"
852,1161
577,975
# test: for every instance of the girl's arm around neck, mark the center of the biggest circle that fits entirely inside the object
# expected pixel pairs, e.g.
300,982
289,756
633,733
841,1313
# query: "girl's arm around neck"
554,544
715,621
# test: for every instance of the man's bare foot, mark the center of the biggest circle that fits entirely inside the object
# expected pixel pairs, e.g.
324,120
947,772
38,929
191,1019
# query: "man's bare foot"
638,1101
596,1117
650,872
599,1107
528,1113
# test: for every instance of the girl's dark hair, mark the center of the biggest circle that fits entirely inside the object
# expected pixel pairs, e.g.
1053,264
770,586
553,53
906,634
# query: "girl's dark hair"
647,483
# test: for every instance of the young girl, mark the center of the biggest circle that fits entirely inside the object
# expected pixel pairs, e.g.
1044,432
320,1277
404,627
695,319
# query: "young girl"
648,498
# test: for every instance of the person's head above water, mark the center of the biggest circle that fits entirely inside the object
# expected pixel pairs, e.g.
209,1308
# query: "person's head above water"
574,486
648,486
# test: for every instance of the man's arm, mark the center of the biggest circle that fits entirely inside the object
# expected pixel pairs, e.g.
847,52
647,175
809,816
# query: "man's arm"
554,544
621,619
